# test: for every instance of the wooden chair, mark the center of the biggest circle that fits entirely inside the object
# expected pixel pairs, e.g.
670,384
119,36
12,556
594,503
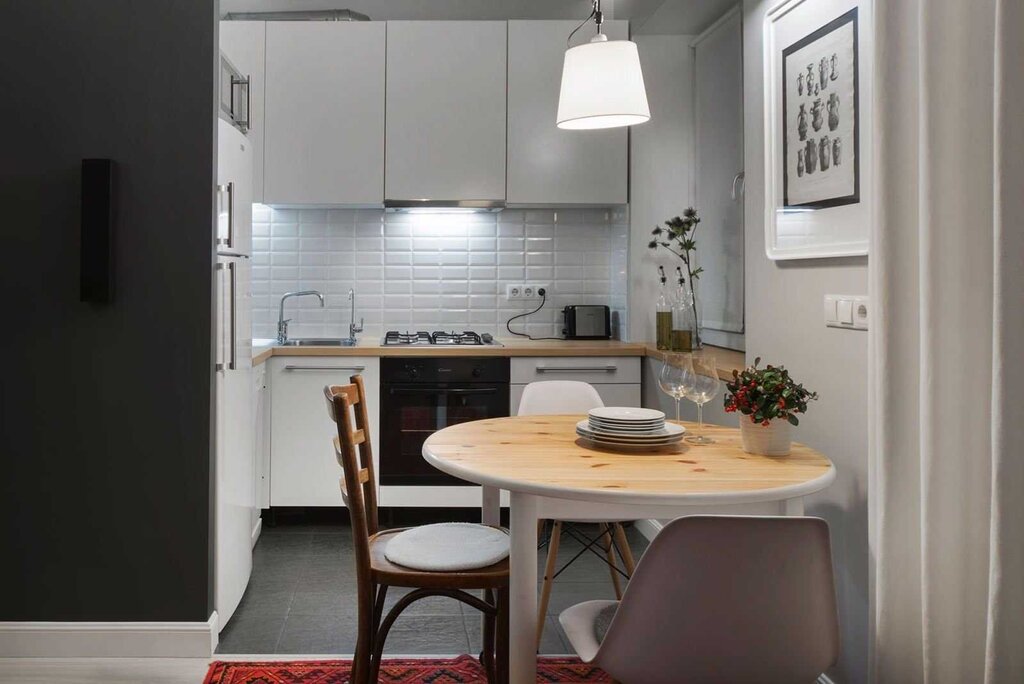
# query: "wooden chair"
719,599
560,397
346,405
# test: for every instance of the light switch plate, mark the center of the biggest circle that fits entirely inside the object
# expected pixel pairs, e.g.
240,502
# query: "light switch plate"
847,311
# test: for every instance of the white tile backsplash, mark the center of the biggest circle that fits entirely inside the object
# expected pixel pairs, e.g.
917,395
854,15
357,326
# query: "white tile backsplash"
430,272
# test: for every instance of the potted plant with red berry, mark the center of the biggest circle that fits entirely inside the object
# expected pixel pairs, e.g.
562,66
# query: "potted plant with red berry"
770,401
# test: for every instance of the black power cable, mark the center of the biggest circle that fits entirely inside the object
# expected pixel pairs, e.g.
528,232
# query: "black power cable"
543,300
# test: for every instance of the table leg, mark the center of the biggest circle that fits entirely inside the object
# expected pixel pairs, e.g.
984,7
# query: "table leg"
793,506
490,507
523,590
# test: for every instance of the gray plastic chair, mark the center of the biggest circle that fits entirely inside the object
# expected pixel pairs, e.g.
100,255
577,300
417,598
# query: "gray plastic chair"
720,600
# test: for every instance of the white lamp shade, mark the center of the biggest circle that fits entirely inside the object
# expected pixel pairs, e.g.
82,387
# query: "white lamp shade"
602,86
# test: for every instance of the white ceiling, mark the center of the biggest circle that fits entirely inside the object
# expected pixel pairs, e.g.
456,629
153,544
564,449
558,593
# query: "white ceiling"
672,17
686,17
383,10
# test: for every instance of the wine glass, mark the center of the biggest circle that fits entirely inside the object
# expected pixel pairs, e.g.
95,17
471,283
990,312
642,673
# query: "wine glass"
674,380
702,386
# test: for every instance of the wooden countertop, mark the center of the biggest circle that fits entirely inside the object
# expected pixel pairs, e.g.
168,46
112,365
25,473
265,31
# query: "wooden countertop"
727,359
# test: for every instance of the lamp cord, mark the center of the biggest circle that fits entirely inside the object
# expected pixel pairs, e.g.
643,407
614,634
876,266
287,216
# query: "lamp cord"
593,13
508,323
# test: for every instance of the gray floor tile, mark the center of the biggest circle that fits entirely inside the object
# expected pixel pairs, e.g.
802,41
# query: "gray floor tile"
552,643
433,605
301,599
566,594
317,634
251,635
427,634
264,601
339,603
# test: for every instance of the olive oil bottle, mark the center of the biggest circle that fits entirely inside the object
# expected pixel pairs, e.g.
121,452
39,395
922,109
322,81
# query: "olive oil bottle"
684,322
663,315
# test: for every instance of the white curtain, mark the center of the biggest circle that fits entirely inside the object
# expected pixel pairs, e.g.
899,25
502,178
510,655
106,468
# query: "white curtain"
947,346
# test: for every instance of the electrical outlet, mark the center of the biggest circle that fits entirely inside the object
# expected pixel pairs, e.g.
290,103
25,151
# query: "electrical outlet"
529,292
846,311
513,291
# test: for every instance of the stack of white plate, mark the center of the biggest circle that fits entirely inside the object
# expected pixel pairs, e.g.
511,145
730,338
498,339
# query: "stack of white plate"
628,428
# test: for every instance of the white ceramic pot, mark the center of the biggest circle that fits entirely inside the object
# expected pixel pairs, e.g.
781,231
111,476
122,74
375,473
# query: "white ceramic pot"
772,439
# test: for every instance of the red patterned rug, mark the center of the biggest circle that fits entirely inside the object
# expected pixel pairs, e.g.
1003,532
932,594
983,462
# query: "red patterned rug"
461,670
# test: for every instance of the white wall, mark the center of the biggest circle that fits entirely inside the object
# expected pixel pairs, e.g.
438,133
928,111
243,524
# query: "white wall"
785,326
661,164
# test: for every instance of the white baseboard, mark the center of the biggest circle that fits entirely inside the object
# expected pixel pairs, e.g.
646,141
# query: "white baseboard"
109,639
648,528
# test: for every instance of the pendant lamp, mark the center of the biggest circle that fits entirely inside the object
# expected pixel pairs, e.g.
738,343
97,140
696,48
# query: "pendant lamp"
602,84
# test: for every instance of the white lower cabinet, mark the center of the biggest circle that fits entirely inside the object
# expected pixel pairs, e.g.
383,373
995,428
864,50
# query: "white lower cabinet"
616,378
303,469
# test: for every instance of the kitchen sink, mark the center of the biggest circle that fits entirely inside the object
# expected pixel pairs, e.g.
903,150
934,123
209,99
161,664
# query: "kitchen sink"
320,342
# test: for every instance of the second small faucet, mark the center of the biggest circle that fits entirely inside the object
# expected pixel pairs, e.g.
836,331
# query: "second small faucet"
352,327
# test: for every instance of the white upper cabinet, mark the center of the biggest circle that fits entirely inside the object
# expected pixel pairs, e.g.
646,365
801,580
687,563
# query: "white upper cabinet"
548,165
446,110
324,136
244,42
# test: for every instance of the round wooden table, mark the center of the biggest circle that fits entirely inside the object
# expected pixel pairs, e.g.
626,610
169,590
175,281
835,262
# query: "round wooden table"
551,473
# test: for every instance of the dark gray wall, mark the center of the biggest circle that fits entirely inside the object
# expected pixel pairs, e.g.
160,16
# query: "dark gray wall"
105,413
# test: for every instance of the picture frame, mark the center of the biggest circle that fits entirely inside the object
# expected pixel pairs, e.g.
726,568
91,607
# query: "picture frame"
817,89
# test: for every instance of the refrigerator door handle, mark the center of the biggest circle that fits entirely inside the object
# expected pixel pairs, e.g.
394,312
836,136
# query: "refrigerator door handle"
219,365
233,279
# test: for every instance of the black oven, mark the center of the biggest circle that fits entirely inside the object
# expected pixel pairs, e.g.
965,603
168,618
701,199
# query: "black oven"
422,395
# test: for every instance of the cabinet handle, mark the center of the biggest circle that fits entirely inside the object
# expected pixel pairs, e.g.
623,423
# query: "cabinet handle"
247,84
230,190
577,369
325,368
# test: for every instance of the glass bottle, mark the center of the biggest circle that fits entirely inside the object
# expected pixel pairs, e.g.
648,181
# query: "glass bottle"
684,322
663,314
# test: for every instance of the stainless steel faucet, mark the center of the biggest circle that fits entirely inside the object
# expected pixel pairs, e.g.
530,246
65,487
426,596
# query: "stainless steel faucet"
352,327
282,322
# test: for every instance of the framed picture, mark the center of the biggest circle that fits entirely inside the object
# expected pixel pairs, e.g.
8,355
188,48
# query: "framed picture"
817,115
819,111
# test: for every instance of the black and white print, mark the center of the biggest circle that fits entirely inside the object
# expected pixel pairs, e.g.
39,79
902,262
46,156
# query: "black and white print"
820,117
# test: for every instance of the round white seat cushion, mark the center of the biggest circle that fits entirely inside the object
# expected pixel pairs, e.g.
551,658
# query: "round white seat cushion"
447,547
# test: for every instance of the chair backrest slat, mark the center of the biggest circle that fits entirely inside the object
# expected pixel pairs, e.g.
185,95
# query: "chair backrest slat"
728,599
346,405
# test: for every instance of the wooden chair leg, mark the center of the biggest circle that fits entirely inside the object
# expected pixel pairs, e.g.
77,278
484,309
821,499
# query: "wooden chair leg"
609,548
624,551
501,638
549,575
487,651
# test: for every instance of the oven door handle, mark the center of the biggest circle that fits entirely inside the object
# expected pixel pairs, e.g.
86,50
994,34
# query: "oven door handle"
428,390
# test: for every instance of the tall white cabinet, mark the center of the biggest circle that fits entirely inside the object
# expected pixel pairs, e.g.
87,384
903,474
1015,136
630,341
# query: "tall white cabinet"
548,165
244,43
446,110
324,136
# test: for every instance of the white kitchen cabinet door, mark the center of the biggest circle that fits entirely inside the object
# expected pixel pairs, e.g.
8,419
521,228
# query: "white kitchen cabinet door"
324,138
303,468
548,165
446,110
244,43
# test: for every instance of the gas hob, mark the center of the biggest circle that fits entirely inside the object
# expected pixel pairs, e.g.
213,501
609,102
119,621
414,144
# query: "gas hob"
466,338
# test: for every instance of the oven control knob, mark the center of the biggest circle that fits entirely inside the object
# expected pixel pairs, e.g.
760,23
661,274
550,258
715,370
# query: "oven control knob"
412,371
476,372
